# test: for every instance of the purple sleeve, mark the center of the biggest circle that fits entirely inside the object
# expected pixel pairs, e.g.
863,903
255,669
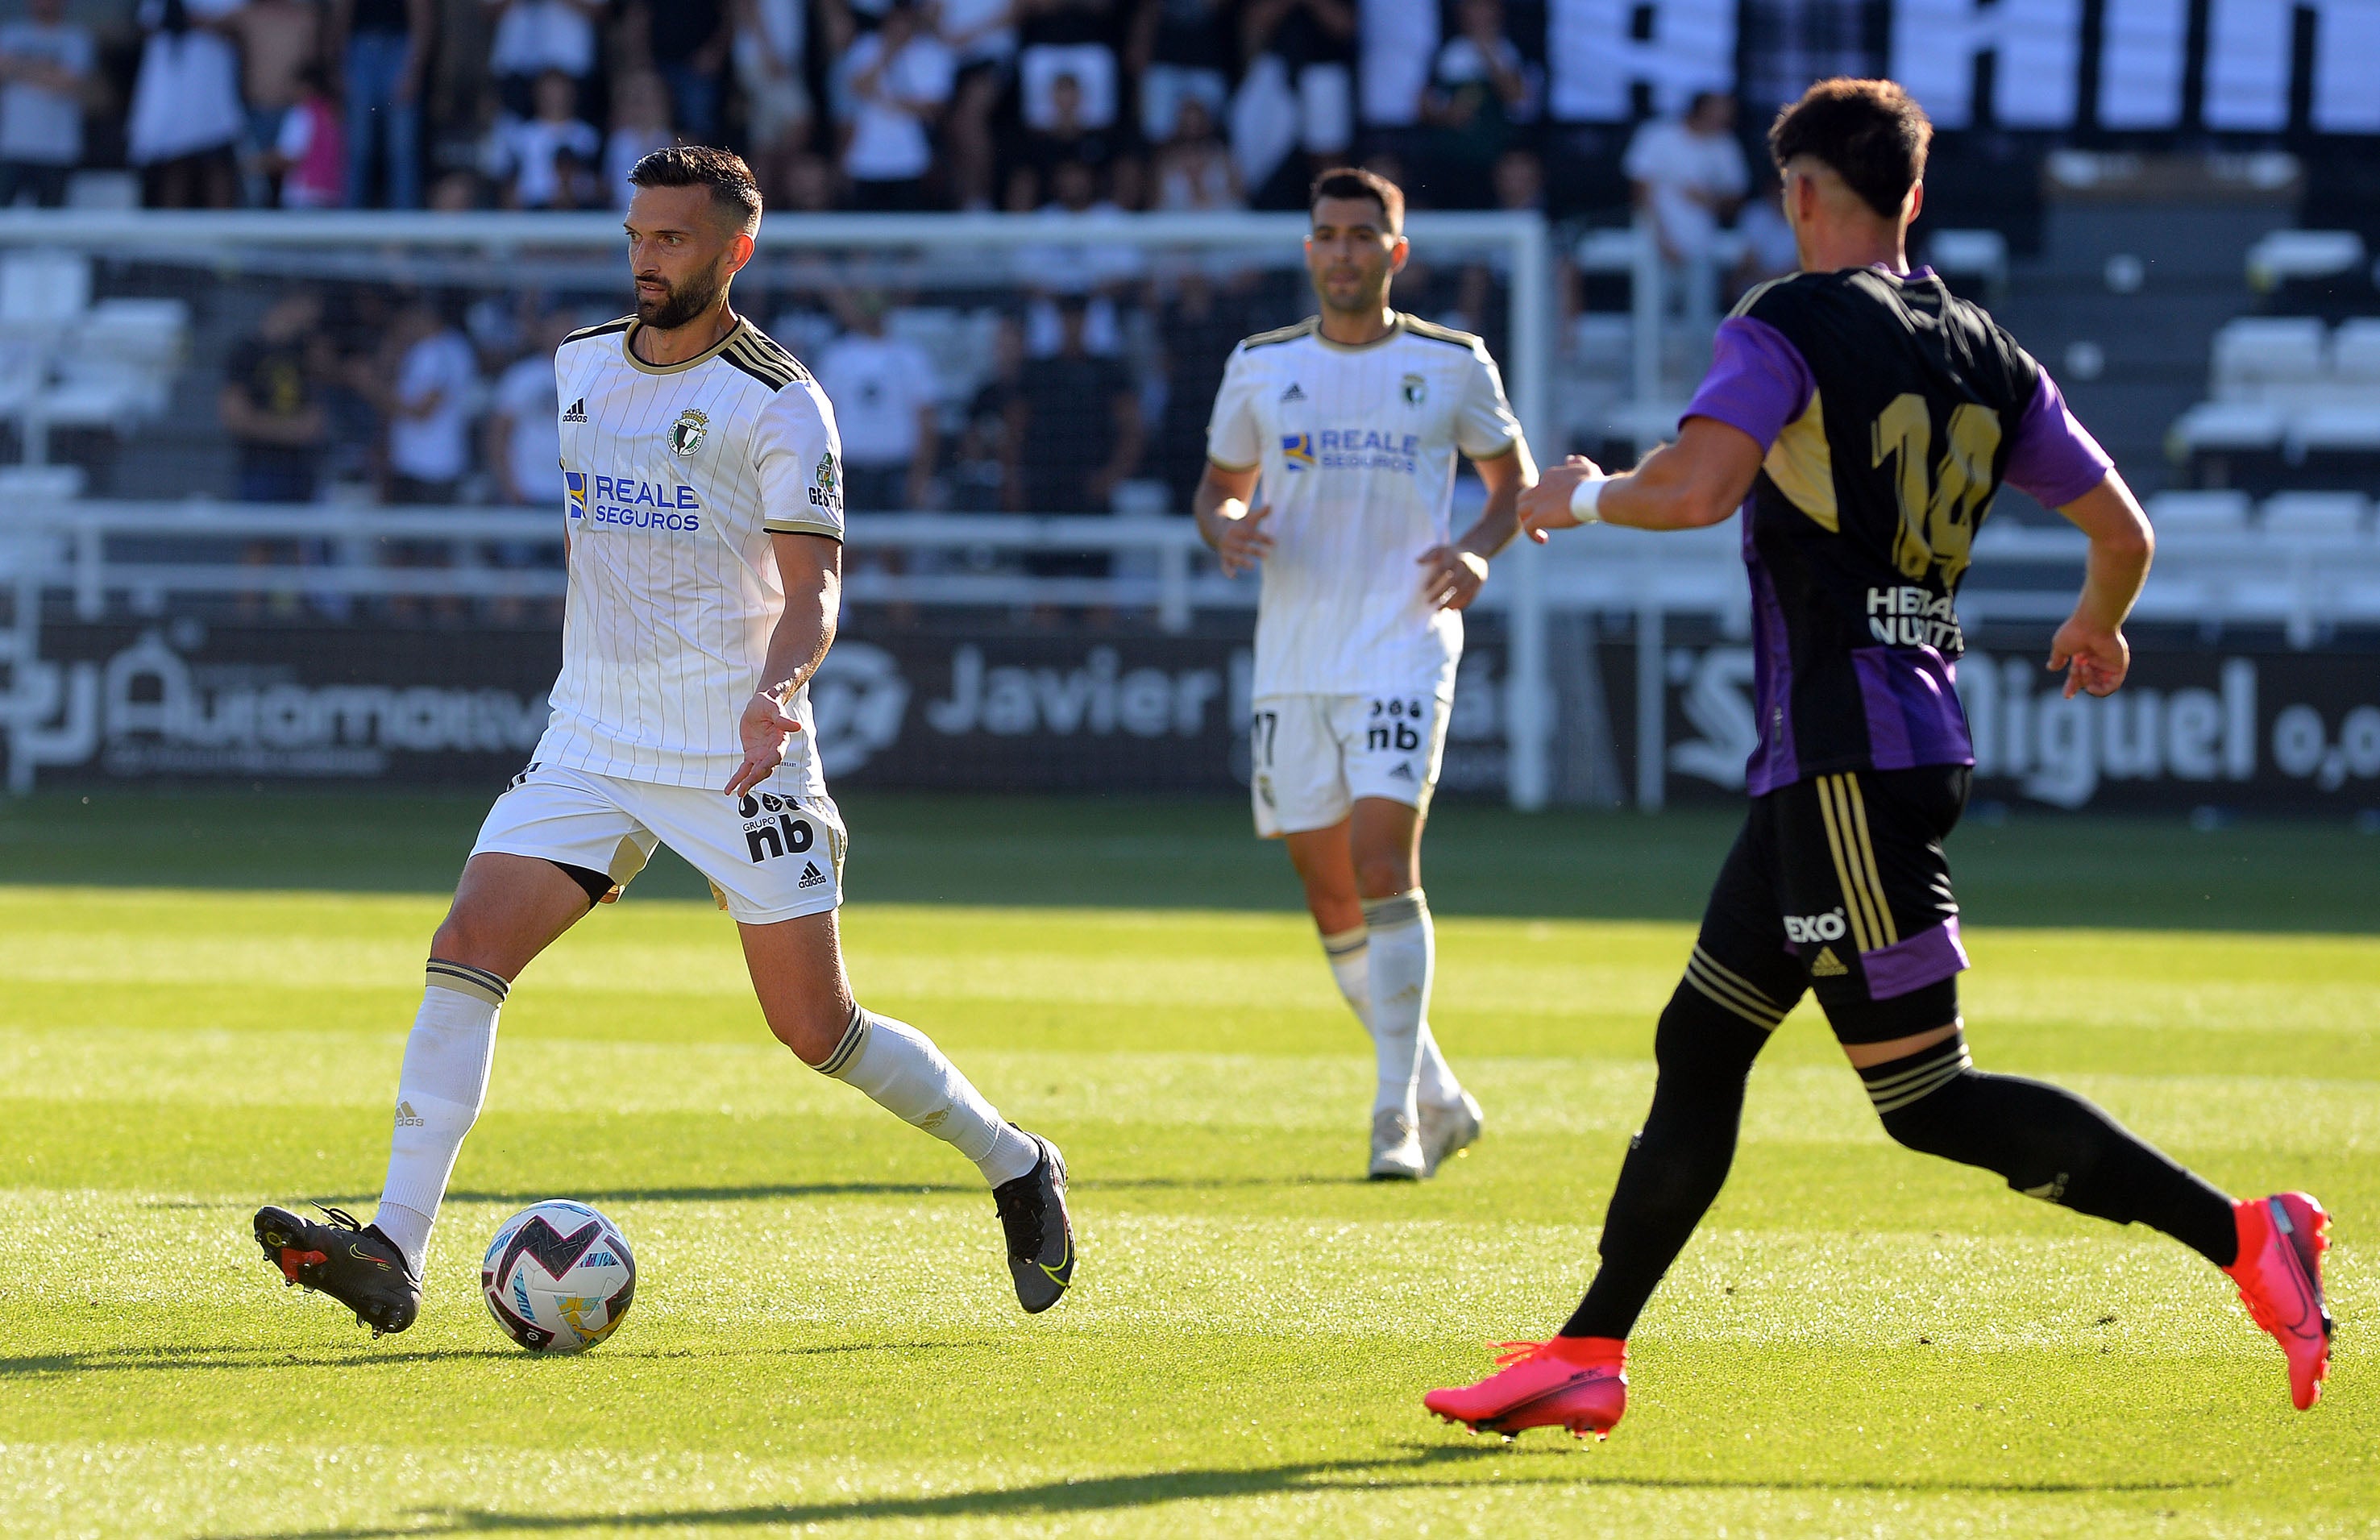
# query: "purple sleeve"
2053,459
1757,380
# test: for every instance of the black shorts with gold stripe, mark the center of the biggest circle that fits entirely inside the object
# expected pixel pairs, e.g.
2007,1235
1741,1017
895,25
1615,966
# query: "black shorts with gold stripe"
1838,884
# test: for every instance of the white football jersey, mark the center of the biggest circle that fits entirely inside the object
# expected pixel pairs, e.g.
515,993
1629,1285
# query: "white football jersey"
1357,447
675,477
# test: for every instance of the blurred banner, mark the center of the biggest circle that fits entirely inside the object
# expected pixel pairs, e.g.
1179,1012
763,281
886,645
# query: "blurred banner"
1012,709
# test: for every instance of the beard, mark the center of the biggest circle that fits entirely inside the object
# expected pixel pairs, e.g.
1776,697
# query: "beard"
1364,297
680,303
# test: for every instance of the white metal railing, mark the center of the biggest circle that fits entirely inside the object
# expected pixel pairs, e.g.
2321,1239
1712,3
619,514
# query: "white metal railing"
511,244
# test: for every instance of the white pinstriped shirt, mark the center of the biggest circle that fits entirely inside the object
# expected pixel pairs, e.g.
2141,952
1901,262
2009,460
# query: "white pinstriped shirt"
675,476
1357,449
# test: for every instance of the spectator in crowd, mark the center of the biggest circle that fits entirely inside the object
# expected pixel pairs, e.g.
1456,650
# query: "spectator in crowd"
769,52
1689,173
1398,44
640,124
185,125
1075,429
277,39
809,185
1180,51
685,42
980,476
1767,241
1062,38
429,407
1194,170
981,36
1098,273
891,86
44,62
1478,90
1201,323
383,47
535,36
1068,136
1520,180
551,160
1298,93
307,161
270,405
887,404
524,425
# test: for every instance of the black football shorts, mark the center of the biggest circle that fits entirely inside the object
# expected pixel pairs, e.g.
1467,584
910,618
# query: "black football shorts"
1838,884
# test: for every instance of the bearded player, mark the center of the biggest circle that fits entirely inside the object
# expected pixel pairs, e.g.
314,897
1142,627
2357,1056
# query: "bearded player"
1861,417
705,527
1354,420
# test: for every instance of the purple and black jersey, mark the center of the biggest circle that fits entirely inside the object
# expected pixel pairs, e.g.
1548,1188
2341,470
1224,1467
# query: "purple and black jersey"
1889,411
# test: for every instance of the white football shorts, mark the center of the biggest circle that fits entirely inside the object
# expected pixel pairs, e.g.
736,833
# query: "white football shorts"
1311,755
770,856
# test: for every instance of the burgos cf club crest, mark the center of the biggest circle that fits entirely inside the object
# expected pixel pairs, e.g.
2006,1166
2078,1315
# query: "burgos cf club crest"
575,483
826,486
1417,390
1297,451
685,433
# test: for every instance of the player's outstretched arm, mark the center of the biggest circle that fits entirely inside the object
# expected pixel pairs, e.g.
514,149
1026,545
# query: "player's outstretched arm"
2090,647
1226,523
1457,572
1695,481
810,567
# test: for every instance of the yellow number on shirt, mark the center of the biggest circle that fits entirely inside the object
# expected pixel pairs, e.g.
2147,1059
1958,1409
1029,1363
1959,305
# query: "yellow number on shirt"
1939,503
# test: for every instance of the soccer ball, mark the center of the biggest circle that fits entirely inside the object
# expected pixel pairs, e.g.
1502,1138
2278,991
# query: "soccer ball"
558,1277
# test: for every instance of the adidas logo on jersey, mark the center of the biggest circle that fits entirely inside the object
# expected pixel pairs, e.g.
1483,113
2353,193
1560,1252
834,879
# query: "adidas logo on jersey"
1292,394
812,876
578,412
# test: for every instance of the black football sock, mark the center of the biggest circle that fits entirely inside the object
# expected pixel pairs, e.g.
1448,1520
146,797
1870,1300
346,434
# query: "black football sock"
1677,1162
2050,1144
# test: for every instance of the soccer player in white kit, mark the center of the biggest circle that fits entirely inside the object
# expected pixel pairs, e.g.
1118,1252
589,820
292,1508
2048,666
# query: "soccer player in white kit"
1352,420
704,511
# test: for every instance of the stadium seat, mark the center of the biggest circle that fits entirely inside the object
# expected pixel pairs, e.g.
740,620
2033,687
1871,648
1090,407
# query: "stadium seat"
2324,515
42,292
2355,352
1976,259
2336,447
39,484
2256,352
2230,444
2310,272
2199,513
2283,255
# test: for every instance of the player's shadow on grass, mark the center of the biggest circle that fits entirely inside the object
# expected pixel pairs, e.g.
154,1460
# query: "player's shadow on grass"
1107,1493
179,1360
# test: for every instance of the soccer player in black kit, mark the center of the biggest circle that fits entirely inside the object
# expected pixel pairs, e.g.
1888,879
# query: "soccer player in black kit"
1861,417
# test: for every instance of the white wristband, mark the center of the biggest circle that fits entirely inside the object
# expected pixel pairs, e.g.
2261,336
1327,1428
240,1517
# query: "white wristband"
1585,500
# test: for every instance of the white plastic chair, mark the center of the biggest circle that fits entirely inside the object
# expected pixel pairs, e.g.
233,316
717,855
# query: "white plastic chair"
2318,514
2186,514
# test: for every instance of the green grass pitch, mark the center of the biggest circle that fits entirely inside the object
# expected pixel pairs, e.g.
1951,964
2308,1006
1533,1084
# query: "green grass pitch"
202,1003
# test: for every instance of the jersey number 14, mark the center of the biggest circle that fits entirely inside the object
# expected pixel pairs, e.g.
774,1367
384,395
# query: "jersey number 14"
1939,502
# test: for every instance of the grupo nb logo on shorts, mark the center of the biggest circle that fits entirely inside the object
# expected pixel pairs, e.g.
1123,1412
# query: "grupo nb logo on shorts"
771,827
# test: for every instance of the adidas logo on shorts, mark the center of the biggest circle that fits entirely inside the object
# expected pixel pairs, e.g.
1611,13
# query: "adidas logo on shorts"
1403,772
1829,966
812,876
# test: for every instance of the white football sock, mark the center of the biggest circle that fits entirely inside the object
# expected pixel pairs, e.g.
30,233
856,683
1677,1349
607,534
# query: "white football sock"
902,1070
439,1094
1351,964
1402,950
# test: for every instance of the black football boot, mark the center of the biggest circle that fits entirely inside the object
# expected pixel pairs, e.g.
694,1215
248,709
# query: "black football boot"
353,1264
1040,1233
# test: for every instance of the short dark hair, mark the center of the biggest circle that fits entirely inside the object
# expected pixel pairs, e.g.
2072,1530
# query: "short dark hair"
1872,133
1350,181
700,165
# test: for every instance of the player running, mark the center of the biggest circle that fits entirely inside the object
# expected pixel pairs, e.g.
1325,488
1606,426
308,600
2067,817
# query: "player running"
1354,418
705,527
1861,416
